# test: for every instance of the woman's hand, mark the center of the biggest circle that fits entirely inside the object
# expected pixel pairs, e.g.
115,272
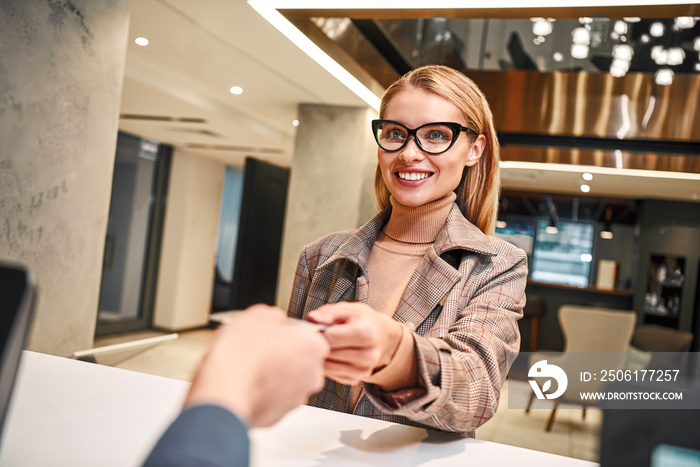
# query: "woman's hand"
362,340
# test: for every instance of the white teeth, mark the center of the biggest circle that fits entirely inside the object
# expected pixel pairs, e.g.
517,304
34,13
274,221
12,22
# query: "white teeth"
413,176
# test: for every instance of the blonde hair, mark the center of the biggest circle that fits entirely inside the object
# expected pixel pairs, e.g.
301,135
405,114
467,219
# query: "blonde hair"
479,188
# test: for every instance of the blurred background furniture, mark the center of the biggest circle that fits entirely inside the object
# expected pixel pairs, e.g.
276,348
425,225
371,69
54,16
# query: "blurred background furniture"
652,338
534,308
604,332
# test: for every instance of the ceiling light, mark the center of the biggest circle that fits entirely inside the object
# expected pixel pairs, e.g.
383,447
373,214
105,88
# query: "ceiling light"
142,41
585,20
617,71
697,66
579,51
632,19
558,56
552,228
696,44
664,77
581,36
684,22
623,52
587,176
676,55
586,257
620,64
295,122
644,38
607,233
541,27
267,10
236,90
657,29
620,27
501,224
659,55
585,188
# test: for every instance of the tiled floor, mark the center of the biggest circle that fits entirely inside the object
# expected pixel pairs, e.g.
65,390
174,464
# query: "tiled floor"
571,435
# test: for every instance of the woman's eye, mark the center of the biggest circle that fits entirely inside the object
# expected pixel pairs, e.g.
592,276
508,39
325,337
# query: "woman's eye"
394,134
437,135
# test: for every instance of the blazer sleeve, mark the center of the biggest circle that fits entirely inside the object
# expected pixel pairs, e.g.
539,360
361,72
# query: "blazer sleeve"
463,371
205,436
300,289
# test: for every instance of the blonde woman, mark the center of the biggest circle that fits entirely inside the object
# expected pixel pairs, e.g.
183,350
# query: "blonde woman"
422,300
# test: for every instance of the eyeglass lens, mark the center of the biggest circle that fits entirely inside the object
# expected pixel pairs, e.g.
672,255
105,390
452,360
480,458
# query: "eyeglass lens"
432,138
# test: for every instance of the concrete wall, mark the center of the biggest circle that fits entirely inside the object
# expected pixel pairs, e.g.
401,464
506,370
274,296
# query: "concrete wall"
60,86
188,252
332,181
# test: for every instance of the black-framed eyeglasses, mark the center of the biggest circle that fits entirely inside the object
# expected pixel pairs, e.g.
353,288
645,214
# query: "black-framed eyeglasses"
433,138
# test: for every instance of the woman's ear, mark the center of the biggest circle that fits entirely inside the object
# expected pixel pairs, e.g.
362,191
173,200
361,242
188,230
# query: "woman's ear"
476,151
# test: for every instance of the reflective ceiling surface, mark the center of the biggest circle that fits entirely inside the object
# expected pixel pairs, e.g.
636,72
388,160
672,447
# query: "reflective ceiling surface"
176,90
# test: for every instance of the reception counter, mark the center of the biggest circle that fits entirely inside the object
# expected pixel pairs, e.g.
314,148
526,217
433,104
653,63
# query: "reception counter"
70,413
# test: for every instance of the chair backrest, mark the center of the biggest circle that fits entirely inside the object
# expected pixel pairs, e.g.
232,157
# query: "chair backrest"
660,339
593,329
16,307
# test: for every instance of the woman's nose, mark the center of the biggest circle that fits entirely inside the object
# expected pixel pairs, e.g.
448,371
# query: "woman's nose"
411,152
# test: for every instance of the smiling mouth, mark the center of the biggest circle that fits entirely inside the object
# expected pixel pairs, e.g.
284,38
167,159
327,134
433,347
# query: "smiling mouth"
414,176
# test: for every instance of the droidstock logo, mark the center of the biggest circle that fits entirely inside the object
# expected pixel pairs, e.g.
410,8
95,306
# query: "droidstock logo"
543,370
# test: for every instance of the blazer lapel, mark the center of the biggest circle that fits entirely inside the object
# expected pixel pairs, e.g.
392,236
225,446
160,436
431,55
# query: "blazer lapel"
431,282
434,278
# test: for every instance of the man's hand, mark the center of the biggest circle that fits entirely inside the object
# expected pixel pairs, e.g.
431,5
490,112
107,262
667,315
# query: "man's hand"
261,366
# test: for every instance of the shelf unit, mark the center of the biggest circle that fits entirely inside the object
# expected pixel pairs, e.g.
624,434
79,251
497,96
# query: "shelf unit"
664,290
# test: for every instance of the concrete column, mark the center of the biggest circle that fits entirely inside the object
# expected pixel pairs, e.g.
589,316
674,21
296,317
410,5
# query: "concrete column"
188,251
60,86
332,181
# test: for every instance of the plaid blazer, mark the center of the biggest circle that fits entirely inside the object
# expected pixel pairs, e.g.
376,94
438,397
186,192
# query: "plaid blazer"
463,318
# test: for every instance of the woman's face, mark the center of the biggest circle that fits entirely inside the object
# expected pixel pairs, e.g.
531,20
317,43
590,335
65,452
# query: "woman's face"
437,175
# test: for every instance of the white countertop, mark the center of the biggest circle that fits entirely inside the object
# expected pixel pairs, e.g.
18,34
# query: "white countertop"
70,413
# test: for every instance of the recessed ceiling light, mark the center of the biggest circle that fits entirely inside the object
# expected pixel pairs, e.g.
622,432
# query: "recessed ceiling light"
657,29
623,52
558,56
684,22
676,55
579,51
541,27
295,122
620,27
236,90
581,36
664,77
587,176
142,41
585,188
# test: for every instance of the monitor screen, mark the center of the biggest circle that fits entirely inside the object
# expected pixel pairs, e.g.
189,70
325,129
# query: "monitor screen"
564,256
519,233
16,305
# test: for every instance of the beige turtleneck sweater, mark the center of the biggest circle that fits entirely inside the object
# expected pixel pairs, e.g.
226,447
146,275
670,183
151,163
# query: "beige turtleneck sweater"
396,254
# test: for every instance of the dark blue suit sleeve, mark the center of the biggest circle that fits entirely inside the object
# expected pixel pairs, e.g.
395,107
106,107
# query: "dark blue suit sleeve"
203,435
